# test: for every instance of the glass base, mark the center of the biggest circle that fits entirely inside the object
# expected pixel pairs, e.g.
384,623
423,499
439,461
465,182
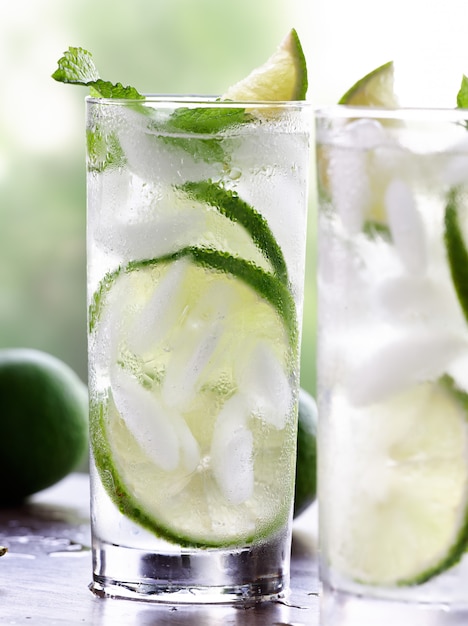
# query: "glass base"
338,608
246,575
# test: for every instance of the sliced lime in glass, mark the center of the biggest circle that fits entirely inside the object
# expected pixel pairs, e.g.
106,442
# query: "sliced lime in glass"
194,429
402,479
229,204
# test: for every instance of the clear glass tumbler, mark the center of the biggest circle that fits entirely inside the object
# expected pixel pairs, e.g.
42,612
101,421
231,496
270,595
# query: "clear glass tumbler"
196,252
393,354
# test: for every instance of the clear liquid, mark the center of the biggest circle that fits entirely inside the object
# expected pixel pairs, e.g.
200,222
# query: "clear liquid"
390,329
186,354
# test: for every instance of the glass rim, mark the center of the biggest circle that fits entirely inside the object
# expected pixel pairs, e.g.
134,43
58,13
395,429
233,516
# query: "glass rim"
423,114
213,101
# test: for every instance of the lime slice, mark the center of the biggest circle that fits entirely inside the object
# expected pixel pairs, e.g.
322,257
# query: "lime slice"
229,204
375,89
403,481
282,77
456,214
194,430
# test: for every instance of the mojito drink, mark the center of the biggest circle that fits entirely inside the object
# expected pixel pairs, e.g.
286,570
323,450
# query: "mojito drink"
393,353
196,237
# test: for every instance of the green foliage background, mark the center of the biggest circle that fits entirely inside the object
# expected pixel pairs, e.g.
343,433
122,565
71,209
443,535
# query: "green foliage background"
165,46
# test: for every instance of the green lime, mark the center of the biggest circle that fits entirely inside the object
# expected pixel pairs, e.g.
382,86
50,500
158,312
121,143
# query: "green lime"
375,89
400,473
306,463
193,432
282,77
43,420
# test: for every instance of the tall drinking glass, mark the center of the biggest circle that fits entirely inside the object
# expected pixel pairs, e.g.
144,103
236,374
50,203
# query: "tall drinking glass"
393,354
196,237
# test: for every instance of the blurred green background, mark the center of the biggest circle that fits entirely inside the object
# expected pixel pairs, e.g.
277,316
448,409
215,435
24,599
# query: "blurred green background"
167,46
178,46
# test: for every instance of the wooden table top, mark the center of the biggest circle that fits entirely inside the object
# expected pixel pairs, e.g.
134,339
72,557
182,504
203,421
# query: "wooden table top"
44,576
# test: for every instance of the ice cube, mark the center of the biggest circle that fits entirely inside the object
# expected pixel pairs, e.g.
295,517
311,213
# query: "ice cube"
348,169
265,385
363,134
182,374
153,157
455,168
412,357
152,323
197,342
134,220
232,452
105,338
189,448
421,300
458,370
146,419
348,177
406,226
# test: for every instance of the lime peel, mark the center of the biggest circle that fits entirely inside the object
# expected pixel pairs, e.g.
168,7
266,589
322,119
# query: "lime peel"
261,300
229,204
457,252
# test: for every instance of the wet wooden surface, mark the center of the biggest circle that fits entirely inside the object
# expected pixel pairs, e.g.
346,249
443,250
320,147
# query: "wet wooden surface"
44,576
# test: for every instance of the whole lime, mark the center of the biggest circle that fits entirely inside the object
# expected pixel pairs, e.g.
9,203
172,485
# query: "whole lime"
306,463
43,422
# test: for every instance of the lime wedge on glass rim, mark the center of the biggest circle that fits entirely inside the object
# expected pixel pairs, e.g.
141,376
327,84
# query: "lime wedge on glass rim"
375,89
202,338
283,77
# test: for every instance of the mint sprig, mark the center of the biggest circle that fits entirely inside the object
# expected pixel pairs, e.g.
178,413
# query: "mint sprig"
77,68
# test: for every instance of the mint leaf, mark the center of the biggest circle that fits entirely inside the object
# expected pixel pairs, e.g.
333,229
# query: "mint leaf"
103,152
203,121
77,67
206,120
462,96
206,150
105,89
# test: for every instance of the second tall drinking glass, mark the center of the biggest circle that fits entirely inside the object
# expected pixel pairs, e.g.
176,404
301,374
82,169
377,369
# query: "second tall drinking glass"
393,354
196,248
